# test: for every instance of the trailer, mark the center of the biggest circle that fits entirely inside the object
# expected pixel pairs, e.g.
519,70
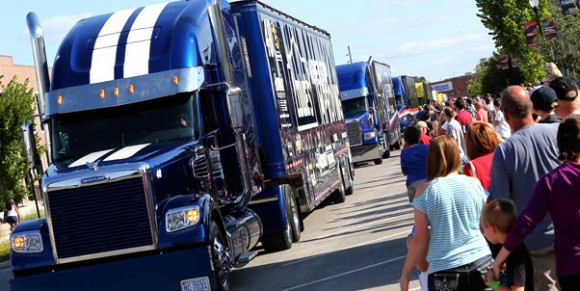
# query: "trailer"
179,136
406,99
368,101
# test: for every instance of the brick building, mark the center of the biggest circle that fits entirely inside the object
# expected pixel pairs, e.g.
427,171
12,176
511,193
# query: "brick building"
453,87
9,70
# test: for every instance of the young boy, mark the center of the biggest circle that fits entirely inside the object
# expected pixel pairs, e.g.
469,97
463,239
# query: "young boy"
497,219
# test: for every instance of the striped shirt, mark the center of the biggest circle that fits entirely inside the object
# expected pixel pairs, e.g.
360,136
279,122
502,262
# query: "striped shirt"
453,207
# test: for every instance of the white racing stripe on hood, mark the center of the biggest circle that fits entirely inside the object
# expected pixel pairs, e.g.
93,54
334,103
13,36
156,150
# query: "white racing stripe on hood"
126,152
105,49
138,48
89,158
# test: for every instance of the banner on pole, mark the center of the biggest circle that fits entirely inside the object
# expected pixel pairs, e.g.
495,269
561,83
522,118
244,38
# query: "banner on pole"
550,30
531,30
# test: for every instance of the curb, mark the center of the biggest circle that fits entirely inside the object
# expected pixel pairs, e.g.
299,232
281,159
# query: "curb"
5,264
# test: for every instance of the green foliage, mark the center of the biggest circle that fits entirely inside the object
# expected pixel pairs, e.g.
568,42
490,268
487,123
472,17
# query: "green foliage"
564,50
4,251
419,79
490,78
505,19
16,104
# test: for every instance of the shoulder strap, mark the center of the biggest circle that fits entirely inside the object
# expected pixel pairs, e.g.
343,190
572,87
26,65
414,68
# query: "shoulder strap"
473,169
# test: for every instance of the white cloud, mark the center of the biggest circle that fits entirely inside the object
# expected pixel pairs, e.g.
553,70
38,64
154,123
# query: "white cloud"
429,45
56,28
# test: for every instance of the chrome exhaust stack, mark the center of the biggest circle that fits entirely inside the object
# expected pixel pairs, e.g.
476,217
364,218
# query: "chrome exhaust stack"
41,69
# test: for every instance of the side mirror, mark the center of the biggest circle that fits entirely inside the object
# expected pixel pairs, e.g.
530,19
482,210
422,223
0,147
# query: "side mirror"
236,109
29,139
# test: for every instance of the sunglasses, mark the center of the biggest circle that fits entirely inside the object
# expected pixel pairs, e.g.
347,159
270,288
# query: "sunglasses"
555,105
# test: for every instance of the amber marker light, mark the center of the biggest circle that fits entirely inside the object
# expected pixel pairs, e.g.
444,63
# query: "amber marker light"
131,89
116,91
18,243
102,94
175,80
192,215
59,100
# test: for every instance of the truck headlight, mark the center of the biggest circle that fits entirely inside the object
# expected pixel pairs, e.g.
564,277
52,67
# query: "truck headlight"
180,218
26,242
370,135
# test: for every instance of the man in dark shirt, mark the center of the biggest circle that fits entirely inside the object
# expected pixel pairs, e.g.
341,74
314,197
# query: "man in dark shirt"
544,101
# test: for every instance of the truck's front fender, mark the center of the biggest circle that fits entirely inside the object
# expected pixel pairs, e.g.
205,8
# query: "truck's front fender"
197,234
25,261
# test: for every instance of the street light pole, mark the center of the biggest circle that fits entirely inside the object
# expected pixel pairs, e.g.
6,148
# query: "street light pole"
535,4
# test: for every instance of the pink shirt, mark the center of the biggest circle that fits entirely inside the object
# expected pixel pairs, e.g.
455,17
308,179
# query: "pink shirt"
481,115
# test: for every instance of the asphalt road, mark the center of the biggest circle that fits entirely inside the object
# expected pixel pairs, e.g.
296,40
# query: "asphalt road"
356,245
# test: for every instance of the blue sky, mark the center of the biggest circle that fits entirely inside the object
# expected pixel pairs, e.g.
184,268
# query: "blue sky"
434,39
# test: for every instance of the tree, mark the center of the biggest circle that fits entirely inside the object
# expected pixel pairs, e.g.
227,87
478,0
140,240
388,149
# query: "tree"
505,19
490,78
419,79
16,103
564,50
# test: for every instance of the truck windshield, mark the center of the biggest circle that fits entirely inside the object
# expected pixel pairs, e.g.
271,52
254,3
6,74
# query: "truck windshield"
354,106
75,135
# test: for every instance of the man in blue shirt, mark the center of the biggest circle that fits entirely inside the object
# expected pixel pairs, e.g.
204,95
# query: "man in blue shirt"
518,163
414,160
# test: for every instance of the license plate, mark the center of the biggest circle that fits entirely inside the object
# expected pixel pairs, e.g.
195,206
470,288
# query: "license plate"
195,284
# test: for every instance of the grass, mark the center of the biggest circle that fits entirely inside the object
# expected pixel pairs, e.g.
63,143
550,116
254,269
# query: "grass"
5,246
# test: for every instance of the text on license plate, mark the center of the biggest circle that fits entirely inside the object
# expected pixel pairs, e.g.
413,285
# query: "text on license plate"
195,284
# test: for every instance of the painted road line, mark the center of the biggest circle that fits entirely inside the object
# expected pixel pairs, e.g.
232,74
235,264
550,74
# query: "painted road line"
354,246
345,273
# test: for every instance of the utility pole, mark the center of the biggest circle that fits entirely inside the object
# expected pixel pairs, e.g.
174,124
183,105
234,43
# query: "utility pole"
349,55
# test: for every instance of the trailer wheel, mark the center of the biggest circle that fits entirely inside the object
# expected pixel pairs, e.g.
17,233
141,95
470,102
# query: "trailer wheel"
387,153
282,239
386,146
296,220
350,189
339,195
220,258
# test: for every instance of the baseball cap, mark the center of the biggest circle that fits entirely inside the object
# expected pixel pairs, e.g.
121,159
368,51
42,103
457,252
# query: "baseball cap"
543,97
421,124
562,86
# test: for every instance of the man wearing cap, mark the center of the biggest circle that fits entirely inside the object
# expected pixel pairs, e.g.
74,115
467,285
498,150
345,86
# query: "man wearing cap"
544,101
567,93
518,163
425,139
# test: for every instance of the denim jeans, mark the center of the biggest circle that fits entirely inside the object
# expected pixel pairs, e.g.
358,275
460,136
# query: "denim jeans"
467,277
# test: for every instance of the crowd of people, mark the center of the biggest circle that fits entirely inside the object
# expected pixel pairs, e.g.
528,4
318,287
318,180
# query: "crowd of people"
494,183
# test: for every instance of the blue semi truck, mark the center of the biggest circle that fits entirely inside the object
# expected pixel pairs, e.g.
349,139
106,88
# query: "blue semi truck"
406,99
368,102
179,136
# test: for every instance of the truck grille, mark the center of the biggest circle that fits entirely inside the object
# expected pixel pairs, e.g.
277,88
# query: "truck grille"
100,218
354,133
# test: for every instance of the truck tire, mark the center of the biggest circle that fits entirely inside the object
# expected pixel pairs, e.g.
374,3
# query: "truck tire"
387,154
282,239
296,220
349,190
339,195
386,146
220,257
397,145
378,161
